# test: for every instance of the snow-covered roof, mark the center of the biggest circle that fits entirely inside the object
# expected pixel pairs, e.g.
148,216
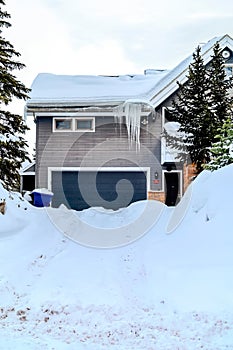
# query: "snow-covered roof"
168,84
87,89
53,88
28,169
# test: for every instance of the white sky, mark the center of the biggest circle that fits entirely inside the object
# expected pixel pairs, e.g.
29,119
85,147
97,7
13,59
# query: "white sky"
111,36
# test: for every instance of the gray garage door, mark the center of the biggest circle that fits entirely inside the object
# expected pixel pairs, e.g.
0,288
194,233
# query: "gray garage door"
111,190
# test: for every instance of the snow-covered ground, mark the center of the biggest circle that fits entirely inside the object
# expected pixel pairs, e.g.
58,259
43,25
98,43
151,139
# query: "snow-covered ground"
170,288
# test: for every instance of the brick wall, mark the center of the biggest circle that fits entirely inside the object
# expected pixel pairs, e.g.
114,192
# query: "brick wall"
158,196
189,172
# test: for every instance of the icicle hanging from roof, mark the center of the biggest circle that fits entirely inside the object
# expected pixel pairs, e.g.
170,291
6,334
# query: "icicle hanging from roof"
132,110
119,113
133,120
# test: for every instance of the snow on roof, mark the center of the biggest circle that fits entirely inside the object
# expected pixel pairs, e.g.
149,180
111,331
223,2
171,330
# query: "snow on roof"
168,83
27,167
76,88
155,88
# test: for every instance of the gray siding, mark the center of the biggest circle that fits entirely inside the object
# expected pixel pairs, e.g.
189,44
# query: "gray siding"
108,146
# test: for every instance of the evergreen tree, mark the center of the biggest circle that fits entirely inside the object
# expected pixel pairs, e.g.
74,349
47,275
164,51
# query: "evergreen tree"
191,111
219,99
203,104
12,127
222,149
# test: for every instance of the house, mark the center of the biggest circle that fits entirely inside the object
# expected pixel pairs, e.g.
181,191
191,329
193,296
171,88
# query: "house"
27,175
98,138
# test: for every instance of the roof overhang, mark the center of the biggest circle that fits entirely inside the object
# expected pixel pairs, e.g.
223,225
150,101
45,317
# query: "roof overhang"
158,90
166,87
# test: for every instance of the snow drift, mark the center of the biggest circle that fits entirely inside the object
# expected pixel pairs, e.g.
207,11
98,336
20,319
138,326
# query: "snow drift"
46,279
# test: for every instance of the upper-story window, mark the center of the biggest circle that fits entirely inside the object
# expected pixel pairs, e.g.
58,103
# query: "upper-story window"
229,70
87,124
61,124
168,154
75,124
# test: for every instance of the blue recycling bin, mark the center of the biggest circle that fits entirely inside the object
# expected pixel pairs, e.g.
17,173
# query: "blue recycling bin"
42,198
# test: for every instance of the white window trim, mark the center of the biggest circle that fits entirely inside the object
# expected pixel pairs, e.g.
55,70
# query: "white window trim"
146,170
164,158
228,64
163,115
163,140
62,130
85,119
73,124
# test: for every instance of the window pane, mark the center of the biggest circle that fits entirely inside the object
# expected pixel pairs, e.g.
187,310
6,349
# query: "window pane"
168,115
228,70
84,124
63,124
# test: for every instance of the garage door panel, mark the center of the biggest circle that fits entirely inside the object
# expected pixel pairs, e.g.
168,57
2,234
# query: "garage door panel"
70,189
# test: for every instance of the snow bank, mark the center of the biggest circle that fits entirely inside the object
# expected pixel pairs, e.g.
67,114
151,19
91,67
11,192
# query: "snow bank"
107,228
14,219
125,297
207,199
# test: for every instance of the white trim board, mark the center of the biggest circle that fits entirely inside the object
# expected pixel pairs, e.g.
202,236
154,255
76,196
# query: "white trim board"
146,170
82,114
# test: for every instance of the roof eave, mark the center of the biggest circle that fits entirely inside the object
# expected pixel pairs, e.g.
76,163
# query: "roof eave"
157,97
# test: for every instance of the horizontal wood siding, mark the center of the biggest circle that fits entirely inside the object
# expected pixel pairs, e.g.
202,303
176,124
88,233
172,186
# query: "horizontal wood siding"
107,146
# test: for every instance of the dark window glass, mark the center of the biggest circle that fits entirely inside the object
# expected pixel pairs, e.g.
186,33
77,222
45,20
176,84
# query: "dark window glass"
63,124
84,124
